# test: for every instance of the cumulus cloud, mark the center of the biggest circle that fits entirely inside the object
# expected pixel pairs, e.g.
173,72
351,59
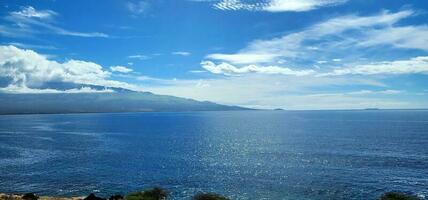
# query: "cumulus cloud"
28,69
228,69
413,65
120,69
276,5
336,37
416,65
29,21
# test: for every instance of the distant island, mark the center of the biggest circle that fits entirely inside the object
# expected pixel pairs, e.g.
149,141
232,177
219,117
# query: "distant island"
117,101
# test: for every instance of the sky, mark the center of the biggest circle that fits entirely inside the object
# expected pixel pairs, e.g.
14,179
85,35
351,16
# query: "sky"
290,54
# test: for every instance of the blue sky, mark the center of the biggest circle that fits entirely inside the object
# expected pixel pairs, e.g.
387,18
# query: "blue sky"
293,54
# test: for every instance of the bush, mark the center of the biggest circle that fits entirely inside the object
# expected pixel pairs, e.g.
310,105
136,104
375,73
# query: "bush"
153,194
93,197
30,196
398,196
209,196
116,197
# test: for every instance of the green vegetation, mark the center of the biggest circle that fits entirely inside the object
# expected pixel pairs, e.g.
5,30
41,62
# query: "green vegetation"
398,196
30,196
153,194
161,194
209,196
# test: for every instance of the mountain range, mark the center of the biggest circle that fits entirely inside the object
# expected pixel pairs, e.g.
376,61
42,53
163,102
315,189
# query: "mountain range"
119,100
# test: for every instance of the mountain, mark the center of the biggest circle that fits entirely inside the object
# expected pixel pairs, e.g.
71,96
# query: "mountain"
118,101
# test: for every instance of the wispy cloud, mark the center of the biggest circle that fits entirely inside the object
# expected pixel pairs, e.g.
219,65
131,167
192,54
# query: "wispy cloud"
181,53
270,91
139,56
413,65
357,93
31,46
28,21
30,12
120,69
411,37
243,58
137,7
345,32
276,5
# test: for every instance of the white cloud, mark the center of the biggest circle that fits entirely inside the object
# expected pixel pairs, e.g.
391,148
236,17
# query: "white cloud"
358,93
138,7
228,69
390,92
276,5
243,58
181,53
197,71
139,56
120,69
25,90
28,69
236,5
333,37
30,21
412,37
33,13
413,65
271,91
299,5
416,65
31,46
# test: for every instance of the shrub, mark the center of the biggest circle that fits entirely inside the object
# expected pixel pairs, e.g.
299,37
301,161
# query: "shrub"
30,196
209,196
153,194
398,196
116,197
93,197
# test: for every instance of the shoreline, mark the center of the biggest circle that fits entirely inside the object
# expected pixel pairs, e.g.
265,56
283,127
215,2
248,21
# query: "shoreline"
161,194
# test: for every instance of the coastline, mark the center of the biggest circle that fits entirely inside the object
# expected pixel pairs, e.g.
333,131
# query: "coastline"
160,194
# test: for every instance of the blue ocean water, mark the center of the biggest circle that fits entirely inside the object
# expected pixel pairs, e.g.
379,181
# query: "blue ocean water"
242,154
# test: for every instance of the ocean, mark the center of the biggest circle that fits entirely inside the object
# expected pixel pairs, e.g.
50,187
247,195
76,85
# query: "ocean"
313,155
